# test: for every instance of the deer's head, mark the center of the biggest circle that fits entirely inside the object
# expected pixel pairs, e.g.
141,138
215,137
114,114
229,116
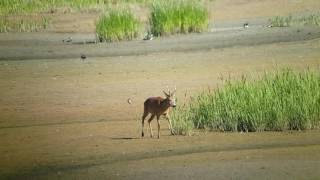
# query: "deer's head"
170,97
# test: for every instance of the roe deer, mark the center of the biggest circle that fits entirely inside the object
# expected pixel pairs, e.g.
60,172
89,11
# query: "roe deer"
157,106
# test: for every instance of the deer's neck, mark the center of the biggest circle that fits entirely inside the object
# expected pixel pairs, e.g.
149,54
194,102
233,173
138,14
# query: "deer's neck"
165,104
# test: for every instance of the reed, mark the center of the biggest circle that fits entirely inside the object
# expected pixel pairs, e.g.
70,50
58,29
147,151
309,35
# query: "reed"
281,100
178,16
117,25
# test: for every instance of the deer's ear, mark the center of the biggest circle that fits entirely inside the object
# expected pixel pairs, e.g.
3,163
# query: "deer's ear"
174,91
166,94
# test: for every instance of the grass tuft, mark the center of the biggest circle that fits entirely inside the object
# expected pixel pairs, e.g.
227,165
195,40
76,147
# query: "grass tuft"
282,100
117,25
180,16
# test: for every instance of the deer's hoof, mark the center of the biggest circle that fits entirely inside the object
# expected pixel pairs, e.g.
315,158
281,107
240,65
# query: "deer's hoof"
142,134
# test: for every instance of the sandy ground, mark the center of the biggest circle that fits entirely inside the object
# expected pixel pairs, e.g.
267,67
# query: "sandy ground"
69,119
66,118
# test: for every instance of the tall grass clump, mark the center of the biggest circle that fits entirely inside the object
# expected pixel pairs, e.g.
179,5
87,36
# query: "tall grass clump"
286,21
117,25
282,100
281,21
178,16
182,122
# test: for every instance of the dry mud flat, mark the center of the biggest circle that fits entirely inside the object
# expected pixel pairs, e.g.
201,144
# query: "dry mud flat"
66,118
52,46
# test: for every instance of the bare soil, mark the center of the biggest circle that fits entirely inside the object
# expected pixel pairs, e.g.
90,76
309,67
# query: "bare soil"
67,118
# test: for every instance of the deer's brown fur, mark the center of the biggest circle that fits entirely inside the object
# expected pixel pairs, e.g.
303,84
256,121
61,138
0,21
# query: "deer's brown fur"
157,106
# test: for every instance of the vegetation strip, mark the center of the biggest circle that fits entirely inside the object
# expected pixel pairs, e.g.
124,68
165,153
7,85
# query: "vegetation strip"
282,100
23,24
286,21
166,17
11,7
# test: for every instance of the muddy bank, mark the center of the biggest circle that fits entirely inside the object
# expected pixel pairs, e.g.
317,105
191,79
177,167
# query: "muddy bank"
47,46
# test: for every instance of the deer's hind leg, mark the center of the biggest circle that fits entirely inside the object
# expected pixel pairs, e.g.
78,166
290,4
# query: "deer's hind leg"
145,114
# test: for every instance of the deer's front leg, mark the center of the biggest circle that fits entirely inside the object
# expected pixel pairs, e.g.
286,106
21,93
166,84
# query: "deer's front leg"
170,125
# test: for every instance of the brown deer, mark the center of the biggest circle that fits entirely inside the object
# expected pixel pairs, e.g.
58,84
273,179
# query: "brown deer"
157,106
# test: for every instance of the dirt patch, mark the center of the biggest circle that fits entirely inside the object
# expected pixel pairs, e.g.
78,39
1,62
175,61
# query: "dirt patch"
73,23
213,155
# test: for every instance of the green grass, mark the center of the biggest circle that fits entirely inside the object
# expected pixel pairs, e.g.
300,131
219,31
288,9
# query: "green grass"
117,25
178,16
23,24
286,21
11,7
181,120
282,100
167,17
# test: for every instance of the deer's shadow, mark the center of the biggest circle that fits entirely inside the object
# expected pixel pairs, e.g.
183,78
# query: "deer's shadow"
124,138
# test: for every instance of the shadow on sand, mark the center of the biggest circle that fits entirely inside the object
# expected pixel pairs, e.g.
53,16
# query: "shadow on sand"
123,138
